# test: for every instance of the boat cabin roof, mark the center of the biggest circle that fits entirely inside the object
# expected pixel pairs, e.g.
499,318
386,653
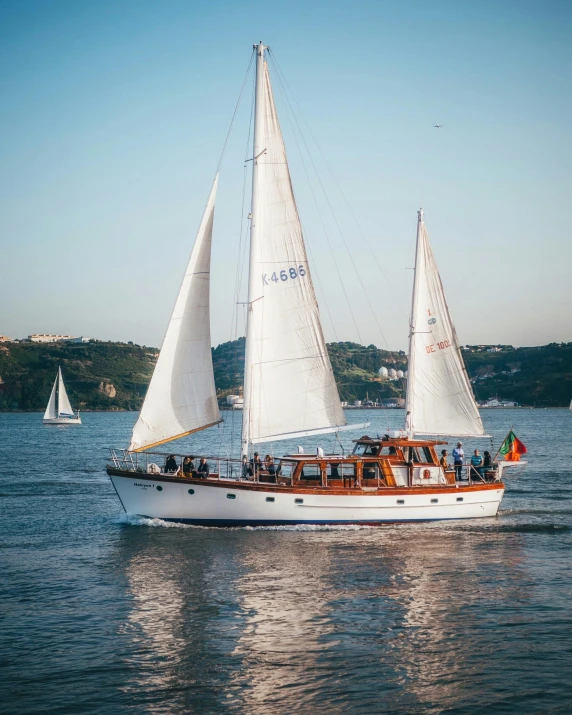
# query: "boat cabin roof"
398,441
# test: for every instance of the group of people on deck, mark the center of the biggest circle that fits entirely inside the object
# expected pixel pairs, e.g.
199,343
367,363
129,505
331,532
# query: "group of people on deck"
480,465
187,468
254,466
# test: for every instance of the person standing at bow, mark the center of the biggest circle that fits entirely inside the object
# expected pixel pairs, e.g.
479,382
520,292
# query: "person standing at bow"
458,457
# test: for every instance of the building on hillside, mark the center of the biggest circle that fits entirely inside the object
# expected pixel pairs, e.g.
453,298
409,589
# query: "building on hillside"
49,338
5,339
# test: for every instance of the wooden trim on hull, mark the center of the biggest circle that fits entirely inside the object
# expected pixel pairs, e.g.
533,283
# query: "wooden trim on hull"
299,489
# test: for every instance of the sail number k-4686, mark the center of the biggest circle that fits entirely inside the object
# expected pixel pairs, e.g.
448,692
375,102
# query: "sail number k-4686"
285,274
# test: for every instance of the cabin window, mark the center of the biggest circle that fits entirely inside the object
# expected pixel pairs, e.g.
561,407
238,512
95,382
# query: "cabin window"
370,470
434,501
311,471
459,498
388,452
401,501
414,455
285,469
298,501
159,488
231,496
428,455
269,498
339,470
191,491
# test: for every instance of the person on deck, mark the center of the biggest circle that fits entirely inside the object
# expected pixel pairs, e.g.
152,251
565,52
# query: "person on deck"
203,470
476,464
247,472
188,466
443,461
458,457
269,464
487,464
256,463
171,465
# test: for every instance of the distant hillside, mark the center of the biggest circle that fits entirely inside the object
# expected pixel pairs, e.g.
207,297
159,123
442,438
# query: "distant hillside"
98,376
114,376
541,376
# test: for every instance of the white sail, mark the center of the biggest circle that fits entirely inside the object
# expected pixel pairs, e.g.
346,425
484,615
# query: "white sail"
64,406
289,386
51,411
182,397
440,399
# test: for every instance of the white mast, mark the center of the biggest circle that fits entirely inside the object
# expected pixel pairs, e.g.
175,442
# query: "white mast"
410,356
257,149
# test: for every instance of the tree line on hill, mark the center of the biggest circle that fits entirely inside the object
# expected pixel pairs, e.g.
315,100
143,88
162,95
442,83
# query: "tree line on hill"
114,376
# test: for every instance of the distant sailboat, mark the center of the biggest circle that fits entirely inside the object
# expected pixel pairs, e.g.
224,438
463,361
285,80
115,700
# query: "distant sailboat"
59,410
570,404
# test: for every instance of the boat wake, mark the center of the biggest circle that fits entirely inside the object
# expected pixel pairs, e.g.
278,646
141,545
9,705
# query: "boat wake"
134,520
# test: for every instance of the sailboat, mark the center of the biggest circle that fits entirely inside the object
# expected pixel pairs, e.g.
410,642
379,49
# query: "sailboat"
59,410
290,391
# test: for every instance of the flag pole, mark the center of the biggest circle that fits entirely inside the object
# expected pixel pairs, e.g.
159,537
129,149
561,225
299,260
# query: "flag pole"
504,440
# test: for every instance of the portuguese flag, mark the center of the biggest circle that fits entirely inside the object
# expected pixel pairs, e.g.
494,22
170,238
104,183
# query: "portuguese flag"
512,448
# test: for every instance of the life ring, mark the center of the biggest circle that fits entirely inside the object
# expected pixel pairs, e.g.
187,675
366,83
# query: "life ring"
426,474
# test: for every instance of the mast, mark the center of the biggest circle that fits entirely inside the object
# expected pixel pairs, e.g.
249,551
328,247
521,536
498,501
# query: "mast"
257,150
410,356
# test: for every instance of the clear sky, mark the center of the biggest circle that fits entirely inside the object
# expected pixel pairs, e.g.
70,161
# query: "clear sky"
113,114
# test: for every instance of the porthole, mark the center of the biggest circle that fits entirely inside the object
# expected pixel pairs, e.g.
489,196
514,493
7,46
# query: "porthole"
269,498
191,491
231,496
298,501
401,501
434,501
459,498
159,488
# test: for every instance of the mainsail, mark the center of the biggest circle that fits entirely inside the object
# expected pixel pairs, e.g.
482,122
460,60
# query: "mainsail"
289,386
182,397
51,410
440,399
64,406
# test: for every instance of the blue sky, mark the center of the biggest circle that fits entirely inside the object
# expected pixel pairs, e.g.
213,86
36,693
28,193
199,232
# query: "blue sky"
113,116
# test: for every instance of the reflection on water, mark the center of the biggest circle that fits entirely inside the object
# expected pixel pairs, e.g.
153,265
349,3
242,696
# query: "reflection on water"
109,614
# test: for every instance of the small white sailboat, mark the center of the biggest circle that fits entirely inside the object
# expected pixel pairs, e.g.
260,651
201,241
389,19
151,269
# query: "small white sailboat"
59,410
290,391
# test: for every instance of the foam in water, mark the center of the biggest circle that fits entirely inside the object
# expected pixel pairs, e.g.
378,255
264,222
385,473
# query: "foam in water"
135,520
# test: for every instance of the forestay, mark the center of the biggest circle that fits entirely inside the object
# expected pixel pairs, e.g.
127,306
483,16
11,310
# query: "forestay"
181,397
64,406
440,399
289,383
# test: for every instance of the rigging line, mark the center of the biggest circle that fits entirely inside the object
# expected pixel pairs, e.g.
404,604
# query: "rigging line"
234,113
241,256
320,216
362,232
337,222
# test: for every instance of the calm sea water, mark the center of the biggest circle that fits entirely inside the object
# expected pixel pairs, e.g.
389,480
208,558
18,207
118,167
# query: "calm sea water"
101,613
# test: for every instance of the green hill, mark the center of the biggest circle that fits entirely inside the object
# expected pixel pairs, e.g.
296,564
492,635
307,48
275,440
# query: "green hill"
114,376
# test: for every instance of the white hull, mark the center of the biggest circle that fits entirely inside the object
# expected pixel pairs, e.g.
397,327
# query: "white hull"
62,420
209,504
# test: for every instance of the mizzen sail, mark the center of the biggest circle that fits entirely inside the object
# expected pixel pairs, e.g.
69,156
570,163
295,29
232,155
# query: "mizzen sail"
440,399
182,397
289,386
